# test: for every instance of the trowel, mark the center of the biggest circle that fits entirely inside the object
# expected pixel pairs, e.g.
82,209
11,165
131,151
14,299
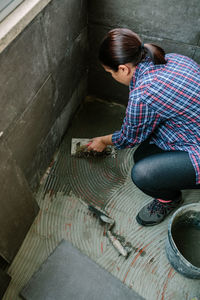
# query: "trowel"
79,148
123,248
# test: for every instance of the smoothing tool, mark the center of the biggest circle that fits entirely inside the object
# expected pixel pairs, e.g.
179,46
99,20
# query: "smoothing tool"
79,148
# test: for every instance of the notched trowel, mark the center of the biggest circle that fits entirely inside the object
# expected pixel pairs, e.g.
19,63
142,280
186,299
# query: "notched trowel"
117,241
79,148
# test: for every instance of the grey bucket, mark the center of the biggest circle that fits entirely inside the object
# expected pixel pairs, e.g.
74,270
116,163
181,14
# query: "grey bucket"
188,216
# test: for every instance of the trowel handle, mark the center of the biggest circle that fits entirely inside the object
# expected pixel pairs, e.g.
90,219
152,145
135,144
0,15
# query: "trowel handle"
116,243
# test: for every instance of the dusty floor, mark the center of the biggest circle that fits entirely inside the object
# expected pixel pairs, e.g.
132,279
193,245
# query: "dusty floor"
69,185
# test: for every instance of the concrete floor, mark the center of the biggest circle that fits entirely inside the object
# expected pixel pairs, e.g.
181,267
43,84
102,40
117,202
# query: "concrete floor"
69,185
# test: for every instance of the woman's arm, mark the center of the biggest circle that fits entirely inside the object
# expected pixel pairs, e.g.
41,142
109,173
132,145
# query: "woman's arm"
100,143
140,121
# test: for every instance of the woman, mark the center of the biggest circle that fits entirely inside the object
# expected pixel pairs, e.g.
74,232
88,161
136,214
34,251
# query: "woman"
163,114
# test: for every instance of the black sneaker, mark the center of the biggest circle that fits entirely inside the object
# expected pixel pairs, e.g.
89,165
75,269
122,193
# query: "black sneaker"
155,212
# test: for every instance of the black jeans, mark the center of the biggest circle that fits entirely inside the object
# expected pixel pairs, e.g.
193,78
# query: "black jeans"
162,174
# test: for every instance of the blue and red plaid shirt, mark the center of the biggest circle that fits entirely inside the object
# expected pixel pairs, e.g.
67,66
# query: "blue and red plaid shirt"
164,105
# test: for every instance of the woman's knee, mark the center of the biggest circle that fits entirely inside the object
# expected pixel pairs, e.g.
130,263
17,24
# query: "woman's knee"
143,175
139,175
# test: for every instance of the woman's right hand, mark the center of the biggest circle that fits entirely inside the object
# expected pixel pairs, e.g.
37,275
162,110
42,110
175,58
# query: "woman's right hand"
100,143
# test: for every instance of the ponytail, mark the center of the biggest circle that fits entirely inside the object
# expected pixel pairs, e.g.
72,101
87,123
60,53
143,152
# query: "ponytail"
122,46
156,53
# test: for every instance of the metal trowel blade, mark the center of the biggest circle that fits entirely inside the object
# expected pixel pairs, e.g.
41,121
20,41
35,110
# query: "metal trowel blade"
77,143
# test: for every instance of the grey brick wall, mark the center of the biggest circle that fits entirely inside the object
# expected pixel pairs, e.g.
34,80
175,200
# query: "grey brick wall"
39,73
43,79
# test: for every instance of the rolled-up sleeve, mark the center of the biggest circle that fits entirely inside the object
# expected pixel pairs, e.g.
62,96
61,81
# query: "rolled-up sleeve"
140,121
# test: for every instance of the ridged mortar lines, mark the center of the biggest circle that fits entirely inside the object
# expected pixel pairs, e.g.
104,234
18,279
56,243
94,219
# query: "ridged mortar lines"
93,180
63,198
153,239
87,234
76,233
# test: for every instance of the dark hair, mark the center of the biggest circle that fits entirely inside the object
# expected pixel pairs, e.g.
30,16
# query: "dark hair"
122,45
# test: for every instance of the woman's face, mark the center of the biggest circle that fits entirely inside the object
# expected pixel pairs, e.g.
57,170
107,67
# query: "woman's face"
124,73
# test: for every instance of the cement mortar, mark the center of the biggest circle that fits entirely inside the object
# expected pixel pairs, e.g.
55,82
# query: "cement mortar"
67,188
92,179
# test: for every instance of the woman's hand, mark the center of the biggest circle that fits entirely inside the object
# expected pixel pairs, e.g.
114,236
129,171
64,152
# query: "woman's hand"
100,143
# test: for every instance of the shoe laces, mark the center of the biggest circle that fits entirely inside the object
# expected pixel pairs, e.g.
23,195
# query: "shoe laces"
157,207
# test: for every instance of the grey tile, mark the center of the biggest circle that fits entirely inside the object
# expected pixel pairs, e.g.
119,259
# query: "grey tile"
23,66
171,46
32,127
175,20
63,21
46,149
18,208
69,274
69,110
43,158
71,70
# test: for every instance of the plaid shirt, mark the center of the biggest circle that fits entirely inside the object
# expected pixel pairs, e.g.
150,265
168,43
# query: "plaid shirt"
164,105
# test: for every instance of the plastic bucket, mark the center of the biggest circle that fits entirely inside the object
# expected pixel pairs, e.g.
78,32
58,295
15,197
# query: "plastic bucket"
183,241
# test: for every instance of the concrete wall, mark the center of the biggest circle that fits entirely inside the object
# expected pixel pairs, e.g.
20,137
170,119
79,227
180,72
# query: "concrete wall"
41,71
174,25
43,79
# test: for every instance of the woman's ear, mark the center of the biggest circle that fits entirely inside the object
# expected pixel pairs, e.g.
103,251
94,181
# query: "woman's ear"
124,69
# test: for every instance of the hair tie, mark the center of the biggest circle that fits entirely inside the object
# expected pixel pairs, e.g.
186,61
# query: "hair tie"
142,46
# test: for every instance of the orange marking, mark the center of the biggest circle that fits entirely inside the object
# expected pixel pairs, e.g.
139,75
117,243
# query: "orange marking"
169,275
173,274
68,225
101,247
66,228
154,270
139,253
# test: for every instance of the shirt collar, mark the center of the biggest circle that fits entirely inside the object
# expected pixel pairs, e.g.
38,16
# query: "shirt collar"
140,69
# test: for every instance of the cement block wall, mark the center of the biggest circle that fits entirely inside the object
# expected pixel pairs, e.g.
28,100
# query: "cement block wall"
173,25
41,71
43,79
